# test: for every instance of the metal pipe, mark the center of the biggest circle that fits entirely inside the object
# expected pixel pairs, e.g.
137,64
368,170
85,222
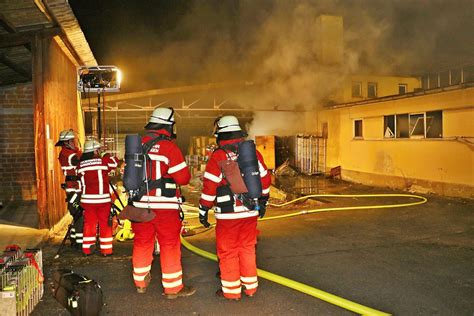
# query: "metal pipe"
197,110
99,123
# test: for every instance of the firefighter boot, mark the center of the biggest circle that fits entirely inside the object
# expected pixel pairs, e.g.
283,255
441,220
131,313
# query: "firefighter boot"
142,290
185,291
220,294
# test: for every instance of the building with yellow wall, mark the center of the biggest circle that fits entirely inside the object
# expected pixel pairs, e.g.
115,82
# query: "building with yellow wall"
422,141
363,87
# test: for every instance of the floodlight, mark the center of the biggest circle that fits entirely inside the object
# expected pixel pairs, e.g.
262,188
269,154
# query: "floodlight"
99,79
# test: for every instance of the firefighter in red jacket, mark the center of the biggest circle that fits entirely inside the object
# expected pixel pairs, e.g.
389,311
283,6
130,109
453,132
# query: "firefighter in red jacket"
96,199
167,169
68,159
236,221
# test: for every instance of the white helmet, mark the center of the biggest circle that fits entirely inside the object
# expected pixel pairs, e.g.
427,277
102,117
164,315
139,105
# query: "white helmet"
65,136
162,116
91,146
228,123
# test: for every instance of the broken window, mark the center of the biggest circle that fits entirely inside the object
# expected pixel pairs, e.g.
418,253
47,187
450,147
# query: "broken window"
417,125
402,88
434,124
414,125
356,89
402,126
389,126
372,90
357,128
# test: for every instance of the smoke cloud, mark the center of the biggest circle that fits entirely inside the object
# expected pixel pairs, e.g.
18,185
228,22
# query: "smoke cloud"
275,123
271,43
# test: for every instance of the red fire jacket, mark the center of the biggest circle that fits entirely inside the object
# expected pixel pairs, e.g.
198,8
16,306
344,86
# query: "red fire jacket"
68,159
213,178
167,161
95,179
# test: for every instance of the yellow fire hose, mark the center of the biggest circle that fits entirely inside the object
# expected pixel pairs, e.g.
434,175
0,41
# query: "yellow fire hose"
309,290
125,233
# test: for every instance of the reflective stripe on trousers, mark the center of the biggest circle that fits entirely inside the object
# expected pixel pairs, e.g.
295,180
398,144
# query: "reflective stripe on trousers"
97,214
236,240
166,227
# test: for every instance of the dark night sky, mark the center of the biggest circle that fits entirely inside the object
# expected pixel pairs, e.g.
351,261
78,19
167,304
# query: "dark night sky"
177,42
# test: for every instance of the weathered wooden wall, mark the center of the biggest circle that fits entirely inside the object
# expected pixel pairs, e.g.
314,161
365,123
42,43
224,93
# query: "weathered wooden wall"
56,109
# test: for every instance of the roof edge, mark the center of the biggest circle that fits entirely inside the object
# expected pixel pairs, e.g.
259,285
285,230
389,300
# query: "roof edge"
62,13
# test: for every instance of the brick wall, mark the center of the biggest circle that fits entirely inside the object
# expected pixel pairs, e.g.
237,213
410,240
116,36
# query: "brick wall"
17,160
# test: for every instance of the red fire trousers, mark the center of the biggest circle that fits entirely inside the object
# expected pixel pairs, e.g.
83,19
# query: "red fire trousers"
236,240
166,227
97,214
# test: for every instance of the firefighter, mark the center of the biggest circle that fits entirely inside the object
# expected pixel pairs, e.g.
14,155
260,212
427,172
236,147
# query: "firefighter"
236,218
94,168
166,168
68,159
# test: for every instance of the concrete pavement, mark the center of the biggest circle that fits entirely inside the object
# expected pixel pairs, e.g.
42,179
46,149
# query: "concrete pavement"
406,261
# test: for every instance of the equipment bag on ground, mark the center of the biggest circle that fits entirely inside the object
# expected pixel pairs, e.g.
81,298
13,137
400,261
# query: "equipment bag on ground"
79,294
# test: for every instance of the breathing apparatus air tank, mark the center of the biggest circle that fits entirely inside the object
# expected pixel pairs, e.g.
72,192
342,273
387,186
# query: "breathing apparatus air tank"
248,164
134,163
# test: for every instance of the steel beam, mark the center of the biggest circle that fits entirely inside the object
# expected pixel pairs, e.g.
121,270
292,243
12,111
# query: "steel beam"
148,109
174,90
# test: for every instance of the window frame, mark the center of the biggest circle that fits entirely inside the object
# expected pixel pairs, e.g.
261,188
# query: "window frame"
412,129
359,83
394,132
361,128
375,89
405,87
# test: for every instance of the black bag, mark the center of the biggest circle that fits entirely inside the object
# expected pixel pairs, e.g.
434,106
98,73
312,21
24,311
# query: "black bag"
79,294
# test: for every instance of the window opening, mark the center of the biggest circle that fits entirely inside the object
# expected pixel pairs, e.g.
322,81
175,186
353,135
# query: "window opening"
417,125
402,126
356,89
402,88
372,90
389,126
434,124
358,129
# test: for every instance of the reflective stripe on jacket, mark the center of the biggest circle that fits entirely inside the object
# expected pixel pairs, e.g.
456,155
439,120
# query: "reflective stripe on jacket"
68,159
95,179
213,178
166,161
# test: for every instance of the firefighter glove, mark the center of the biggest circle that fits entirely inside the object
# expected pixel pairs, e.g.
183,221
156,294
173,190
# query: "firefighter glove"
203,216
262,204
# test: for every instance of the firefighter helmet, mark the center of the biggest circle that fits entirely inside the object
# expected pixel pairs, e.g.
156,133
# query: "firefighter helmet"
64,136
228,123
162,116
91,146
